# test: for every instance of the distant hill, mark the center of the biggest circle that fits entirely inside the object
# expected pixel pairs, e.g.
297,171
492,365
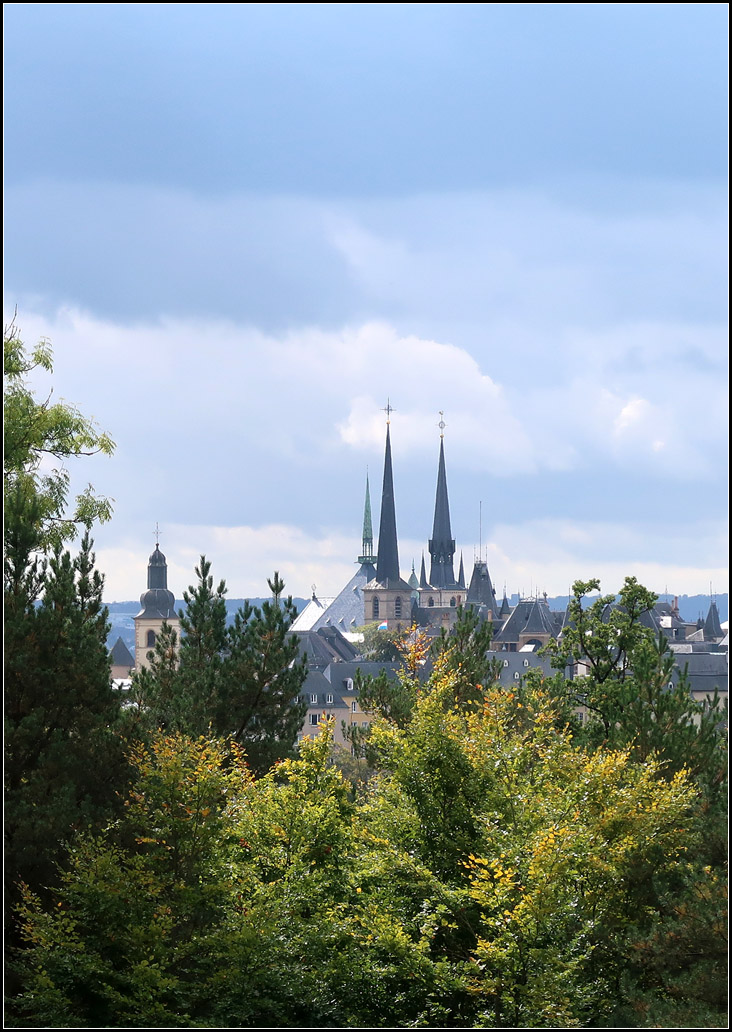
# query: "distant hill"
122,614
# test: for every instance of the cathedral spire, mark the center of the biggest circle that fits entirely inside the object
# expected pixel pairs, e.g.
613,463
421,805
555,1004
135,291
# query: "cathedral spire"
441,544
387,563
367,541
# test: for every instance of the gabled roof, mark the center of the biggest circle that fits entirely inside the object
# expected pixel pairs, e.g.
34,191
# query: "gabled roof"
121,655
324,646
346,610
531,616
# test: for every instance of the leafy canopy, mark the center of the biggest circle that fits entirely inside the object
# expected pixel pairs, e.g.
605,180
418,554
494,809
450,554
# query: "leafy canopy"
39,436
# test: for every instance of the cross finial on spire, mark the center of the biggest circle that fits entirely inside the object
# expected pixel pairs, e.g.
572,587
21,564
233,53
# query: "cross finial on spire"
156,532
442,424
388,411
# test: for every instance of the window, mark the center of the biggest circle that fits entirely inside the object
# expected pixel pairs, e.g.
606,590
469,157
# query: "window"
375,608
348,684
313,719
151,639
313,700
431,602
364,723
505,662
354,707
526,662
397,607
516,676
452,601
329,700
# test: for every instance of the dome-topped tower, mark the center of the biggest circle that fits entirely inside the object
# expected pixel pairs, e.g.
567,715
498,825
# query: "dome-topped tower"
157,602
158,607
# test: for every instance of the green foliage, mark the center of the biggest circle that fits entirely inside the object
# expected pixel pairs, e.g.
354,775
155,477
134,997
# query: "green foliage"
628,688
63,759
380,644
495,871
465,650
38,435
242,680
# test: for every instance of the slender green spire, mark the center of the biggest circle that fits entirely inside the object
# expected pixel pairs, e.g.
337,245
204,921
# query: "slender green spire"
367,545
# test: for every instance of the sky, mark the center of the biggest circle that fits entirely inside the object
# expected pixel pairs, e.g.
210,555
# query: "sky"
245,227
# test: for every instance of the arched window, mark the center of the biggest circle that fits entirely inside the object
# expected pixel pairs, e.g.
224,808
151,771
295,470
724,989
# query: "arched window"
151,639
431,602
452,601
517,676
375,608
397,607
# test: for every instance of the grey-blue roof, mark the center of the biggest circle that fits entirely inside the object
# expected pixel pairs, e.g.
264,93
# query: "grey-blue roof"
157,604
346,611
121,655
530,616
324,646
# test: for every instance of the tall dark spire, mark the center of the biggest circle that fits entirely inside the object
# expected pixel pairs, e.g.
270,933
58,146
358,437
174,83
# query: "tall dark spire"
367,544
387,563
442,544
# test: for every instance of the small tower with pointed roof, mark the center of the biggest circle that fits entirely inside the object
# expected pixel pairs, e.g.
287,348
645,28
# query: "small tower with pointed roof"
158,607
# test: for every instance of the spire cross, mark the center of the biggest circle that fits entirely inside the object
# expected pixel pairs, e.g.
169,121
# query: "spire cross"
388,411
442,424
156,532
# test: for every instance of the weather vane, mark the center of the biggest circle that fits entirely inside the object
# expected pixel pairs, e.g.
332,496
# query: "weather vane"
388,411
442,424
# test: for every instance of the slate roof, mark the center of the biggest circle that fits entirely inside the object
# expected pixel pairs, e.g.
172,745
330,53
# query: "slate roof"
346,611
530,616
712,626
121,655
481,590
324,646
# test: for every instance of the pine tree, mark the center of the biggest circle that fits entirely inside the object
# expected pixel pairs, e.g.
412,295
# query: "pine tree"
63,756
242,680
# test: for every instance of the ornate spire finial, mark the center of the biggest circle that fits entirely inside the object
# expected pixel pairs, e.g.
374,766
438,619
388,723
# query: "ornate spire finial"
156,532
442,424
388,411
